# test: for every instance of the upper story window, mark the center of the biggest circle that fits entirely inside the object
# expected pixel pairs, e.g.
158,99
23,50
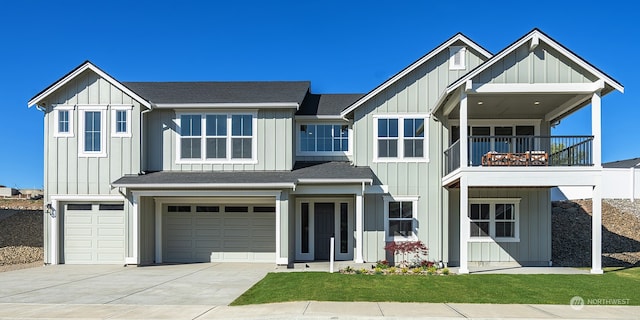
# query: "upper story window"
457,57
63,119
121,121
494,220
399,138
92,135
216,137
400,218
323,139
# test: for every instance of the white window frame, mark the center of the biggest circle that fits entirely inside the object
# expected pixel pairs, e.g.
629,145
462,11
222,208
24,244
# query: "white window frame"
492,219
114,125
401,157
299,151
461,52
82,109
56,118
414,219
203,135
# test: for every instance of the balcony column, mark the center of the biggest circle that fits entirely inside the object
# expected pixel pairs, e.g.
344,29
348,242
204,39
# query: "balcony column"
464,134
464,224
596,229
596,129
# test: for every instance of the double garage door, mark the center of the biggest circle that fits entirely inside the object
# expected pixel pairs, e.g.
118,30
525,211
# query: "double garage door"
218,232
94,233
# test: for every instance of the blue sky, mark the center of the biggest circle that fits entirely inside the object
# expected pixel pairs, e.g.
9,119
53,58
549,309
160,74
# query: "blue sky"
340,46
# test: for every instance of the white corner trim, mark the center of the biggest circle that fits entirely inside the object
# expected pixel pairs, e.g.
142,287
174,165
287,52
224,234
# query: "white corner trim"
415,65
77,71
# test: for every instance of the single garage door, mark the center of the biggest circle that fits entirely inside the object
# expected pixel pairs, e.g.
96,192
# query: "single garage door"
94,233
207,233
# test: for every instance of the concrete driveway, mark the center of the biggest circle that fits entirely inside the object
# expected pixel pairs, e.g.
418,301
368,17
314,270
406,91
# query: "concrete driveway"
210,284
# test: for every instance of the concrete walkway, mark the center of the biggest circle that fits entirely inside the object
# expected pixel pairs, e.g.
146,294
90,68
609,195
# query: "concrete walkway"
315,310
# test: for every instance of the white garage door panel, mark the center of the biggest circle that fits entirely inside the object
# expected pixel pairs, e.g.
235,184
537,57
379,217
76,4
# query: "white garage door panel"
94,237
218,236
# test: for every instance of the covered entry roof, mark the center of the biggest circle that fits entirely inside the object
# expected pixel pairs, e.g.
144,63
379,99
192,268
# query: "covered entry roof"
303,172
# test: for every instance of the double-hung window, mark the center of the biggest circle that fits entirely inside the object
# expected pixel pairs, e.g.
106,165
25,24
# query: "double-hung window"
400,221
323,139
216,137
92,138
63,120
494,219
400,138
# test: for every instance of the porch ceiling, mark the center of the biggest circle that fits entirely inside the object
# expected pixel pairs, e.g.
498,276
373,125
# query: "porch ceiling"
516,106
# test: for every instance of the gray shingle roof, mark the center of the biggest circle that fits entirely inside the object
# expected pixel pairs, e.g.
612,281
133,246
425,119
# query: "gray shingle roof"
303,170
326,104
221,92
628,163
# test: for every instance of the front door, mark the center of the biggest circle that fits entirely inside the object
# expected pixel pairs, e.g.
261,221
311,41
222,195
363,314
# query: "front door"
324,227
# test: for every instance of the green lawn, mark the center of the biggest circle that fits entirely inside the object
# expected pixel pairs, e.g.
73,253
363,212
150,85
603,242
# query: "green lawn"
488,288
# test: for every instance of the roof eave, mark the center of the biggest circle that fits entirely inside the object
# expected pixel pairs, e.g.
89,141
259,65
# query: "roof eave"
230,105
284,185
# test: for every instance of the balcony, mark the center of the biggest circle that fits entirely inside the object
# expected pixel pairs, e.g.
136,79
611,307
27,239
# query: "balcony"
522,151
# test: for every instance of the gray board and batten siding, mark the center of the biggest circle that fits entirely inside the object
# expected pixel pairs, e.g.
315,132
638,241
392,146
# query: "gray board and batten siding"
415,93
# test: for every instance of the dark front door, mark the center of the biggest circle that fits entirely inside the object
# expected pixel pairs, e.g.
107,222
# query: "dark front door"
324,227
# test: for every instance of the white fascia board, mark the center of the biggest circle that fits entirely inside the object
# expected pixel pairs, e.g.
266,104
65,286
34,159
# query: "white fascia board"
79,70
261,105
329,181
86,197
523,41
205,185
413,66
321,117
537,88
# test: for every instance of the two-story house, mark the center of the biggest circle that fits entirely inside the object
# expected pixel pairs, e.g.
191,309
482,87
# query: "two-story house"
455,150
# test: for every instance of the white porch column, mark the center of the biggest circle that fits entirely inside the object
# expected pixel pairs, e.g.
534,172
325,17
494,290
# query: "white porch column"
53,233
279,259
134,258
596,230
596,128
158,246
464,134
464,224
359,229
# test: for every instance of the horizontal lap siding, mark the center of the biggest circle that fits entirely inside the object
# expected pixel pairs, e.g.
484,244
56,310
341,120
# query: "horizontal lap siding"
66,173
542,65
417,92
274,143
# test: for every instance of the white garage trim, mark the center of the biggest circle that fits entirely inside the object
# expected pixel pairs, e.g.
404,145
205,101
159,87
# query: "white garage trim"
54,222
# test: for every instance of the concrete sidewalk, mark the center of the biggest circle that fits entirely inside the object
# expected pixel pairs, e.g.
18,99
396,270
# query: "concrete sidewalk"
316,310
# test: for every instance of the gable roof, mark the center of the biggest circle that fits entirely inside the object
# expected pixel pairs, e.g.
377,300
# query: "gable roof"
535,36
172,94
87,65
625,164
326,104
457,37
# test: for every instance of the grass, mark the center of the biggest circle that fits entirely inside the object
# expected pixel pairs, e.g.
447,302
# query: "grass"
488,288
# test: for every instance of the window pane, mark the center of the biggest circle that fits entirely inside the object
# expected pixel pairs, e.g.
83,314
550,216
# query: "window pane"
419,127
479,229
307,138
304,226
241,125
400,228
504,211
121,121
179,208
505,229
207,209
383,128
216,148
92,131
484,211
344,228
241,148
409,128
63,121
394,209
216,125
393,128
190,148
190,125
407,209
383,148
